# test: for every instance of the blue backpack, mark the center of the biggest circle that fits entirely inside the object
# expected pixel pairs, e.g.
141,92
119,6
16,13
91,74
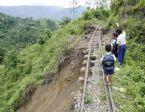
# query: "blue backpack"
108,62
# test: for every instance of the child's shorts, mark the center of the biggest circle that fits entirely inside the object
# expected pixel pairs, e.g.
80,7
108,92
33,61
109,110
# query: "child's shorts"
108,72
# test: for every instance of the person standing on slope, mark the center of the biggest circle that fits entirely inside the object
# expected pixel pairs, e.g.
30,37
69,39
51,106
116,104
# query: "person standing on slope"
121,40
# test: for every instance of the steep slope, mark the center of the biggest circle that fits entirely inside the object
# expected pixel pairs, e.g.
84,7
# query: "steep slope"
58,95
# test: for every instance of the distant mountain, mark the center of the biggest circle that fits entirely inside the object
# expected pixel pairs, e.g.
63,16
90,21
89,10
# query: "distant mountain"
36,12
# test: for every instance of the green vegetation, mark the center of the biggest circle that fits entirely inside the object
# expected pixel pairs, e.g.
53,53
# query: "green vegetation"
27,68
129,82
30,49
17,33
131,76
18,48
88,98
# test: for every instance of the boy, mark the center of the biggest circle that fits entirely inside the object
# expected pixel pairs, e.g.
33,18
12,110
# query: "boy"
108,64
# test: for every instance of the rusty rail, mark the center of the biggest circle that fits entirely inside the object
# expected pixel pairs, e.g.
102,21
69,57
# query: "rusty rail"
87,72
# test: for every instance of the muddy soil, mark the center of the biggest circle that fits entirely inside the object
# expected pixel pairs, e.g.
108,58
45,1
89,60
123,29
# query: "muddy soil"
58,95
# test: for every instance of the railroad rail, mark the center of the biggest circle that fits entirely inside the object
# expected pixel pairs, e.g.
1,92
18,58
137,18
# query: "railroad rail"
109,98
87,71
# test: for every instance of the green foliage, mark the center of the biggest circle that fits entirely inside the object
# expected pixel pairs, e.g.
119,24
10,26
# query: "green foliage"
21,69
26,67
139,8
88,15
125,8
17,33
135,29
88,98
47,24
10,59
65,21
98,13
39,53
45,36
131,76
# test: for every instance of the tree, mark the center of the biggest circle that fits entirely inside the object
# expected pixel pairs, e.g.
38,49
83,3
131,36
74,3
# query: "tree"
43,38
65,21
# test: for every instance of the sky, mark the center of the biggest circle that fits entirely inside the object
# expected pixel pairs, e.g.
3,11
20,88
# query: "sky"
63,3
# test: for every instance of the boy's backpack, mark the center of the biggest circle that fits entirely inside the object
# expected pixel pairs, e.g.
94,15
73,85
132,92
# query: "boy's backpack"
108,62
115,49
115,45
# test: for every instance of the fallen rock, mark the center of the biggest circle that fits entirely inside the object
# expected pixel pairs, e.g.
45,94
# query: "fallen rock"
93,57
81,78
85,51
84,62
86,56
83,69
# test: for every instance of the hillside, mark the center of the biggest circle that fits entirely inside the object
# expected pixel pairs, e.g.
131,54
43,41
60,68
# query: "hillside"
18,32
35,66
28,67
37,12
22,72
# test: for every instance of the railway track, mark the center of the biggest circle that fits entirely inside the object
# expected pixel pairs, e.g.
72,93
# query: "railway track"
95,43
109,97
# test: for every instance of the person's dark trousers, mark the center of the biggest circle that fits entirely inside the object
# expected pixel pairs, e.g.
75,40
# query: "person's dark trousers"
121,53
115,52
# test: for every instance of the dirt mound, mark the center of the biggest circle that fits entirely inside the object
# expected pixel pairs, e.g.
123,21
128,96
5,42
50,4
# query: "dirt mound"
58,95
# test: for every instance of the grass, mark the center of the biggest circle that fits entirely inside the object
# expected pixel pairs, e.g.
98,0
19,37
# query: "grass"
88,98
128,84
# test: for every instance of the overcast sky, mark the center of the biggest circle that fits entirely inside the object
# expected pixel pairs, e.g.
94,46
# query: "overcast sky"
63,3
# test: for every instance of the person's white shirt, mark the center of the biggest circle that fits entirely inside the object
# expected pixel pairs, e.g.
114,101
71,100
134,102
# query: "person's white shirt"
121,39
